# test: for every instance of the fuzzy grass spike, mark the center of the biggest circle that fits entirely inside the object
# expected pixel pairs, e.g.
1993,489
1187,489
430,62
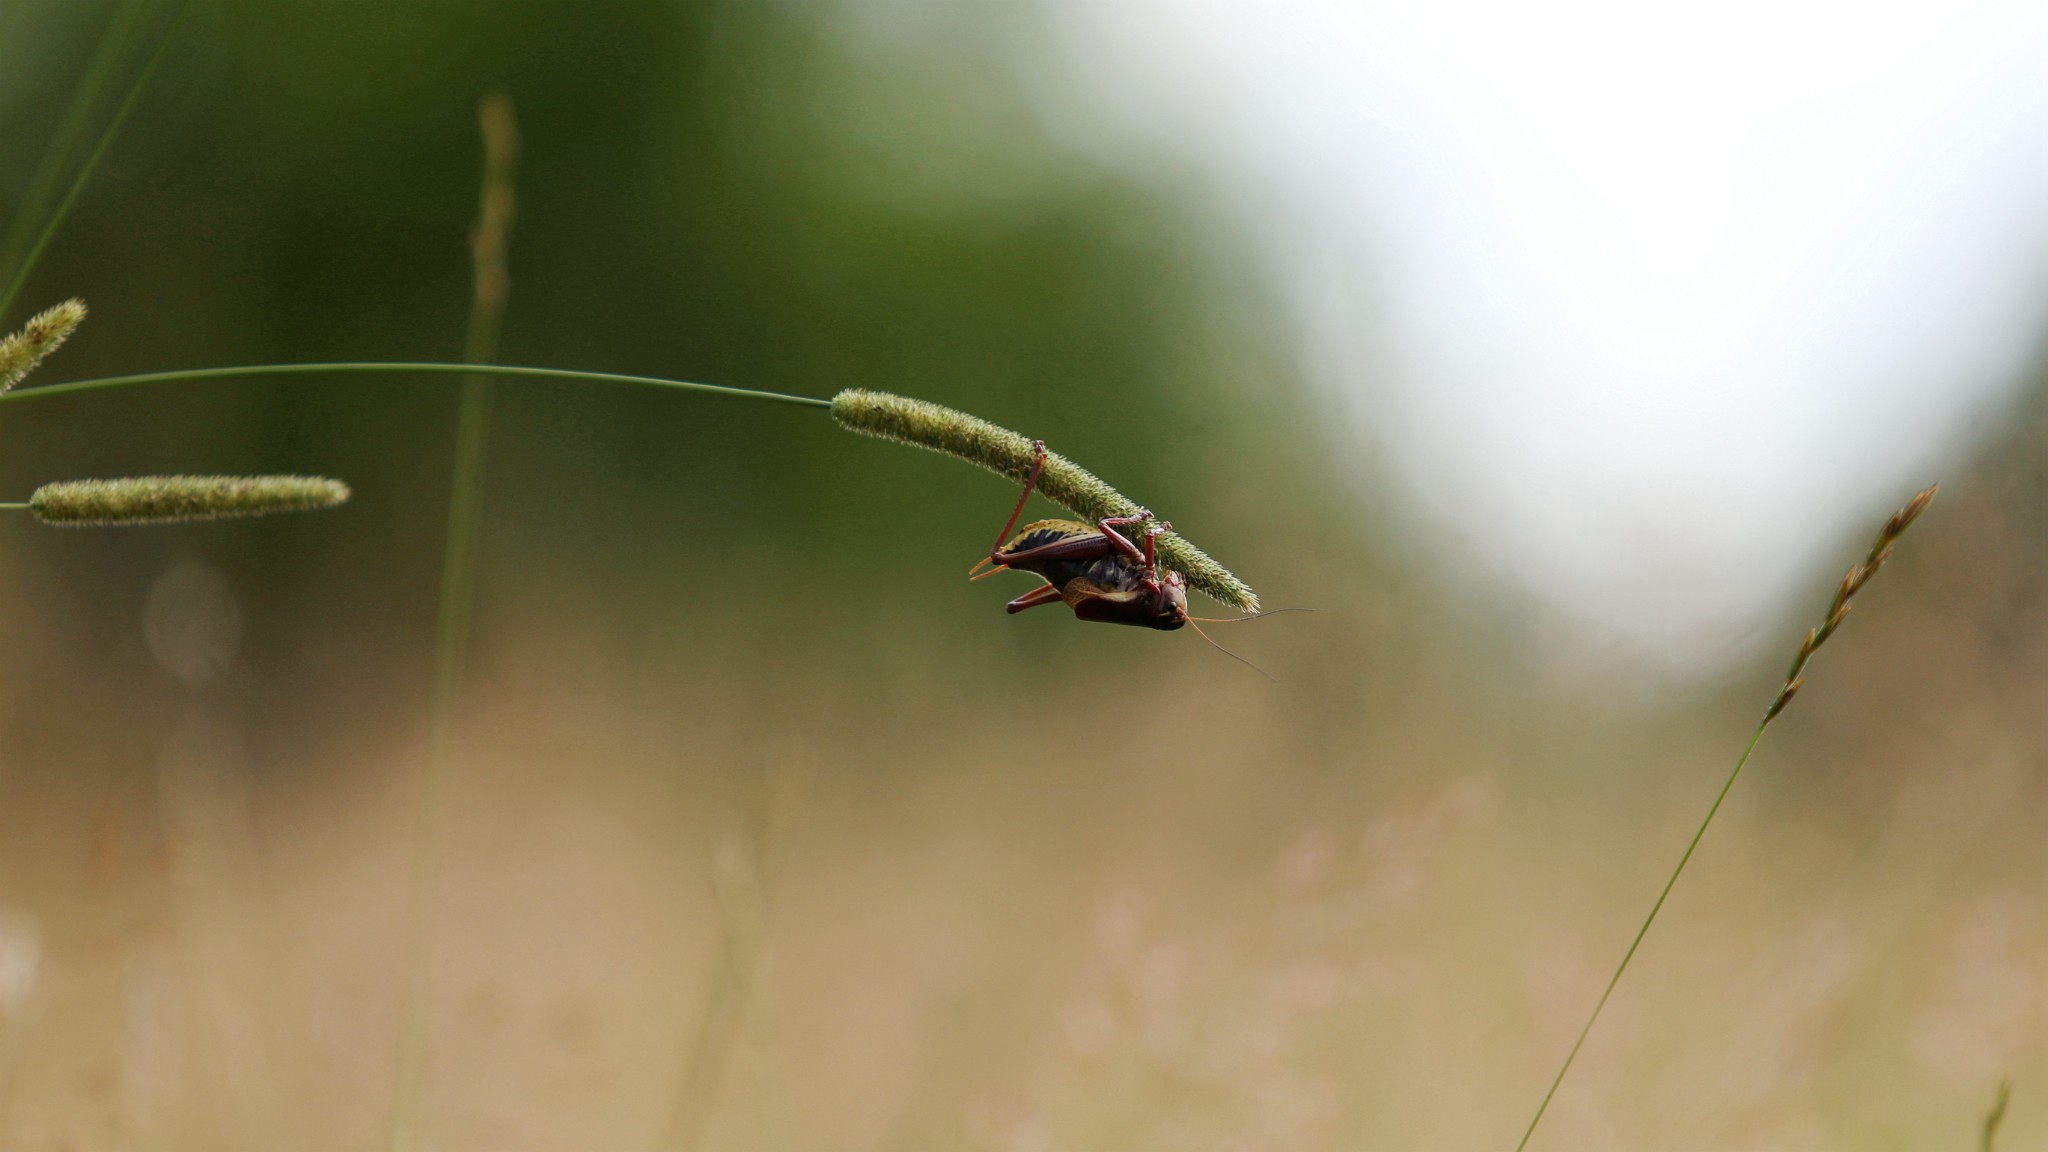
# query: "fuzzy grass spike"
45,332
1010,455
173,499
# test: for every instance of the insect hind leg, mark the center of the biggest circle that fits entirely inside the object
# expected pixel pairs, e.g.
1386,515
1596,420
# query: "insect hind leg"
1030,482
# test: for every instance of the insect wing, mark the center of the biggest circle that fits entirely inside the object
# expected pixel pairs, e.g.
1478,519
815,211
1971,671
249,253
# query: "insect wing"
1045,534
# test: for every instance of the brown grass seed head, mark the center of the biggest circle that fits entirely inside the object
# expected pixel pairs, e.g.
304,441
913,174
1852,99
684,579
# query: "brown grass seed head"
1852,583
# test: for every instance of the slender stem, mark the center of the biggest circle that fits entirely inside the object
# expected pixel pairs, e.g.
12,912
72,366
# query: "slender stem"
92,162
742,882
458,594
1858,576
65,139
21,507
1640,933
368,367
733,979
1988,1142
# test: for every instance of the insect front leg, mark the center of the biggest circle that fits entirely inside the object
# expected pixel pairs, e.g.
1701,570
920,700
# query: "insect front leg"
1109,526
1043,594
1152,534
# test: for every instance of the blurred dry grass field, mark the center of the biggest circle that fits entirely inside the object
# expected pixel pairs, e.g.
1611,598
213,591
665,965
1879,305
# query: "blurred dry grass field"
1362,911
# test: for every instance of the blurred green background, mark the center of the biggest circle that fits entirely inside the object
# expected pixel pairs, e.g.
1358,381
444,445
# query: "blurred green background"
768,829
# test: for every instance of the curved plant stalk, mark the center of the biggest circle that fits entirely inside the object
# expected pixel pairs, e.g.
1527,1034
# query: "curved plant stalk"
879,414
375,367
1838,610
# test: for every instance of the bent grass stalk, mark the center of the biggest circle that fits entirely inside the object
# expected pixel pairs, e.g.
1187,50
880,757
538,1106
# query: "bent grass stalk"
373,367
878,414
1838,610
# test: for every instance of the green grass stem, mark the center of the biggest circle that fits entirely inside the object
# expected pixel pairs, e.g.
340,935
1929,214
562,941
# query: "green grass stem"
1988,1138
1838,610
1641,932
488,243
374,367
42,185
92,162
741,876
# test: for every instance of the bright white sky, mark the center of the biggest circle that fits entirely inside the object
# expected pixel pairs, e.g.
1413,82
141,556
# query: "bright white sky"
1651,306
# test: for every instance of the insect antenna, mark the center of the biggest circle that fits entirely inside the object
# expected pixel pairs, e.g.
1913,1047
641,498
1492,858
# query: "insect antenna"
1247,619
1228,652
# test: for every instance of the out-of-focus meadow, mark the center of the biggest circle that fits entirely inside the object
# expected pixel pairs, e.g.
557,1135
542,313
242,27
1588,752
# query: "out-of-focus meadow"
767,828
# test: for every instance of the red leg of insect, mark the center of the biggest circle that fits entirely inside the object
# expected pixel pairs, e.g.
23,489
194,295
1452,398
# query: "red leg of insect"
1109,526
1151,558
1148,557
1152,534
1043,594
1037,466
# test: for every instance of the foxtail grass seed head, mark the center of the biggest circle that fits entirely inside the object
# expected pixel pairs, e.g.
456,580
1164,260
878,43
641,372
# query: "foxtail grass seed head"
1010,455
44,333
170,499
